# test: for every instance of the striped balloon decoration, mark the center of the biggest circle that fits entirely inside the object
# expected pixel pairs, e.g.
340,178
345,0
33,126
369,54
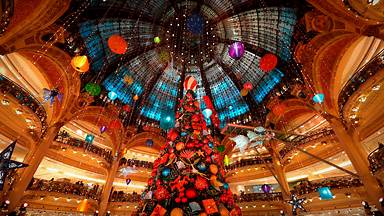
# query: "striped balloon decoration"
190,83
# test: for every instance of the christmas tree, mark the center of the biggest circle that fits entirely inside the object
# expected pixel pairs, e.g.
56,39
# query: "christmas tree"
188,177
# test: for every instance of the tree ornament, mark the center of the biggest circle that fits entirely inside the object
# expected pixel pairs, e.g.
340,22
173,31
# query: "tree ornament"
127,181
268,62
221,148
244,92
226,186
177,212
136,97
128,80
180,146
159,211
149,142
191,193
296,203
93,89
89,138
210,206
226,160
213,168
201,183
117,44
248,86
223,211
165,172
207,113
167,120
236,50
6,164
157,40
202,166
266,188
80,63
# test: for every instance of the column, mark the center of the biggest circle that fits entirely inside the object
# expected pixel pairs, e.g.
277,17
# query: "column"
350,142
33,162
108,187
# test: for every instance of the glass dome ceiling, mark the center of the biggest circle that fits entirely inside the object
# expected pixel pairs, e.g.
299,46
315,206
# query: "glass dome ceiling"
158,70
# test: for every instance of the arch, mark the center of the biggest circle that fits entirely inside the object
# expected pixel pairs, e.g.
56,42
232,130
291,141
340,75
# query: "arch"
140,138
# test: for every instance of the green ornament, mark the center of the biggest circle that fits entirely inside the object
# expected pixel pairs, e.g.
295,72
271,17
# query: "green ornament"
157,40
221,148
93,89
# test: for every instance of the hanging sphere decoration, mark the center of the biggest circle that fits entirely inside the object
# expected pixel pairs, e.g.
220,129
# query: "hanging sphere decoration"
127,108
80,63
190,83
244,92
103,129
236,50
167,120
117,44
266,188
207,113
93,89
149,142
157,40
268,62
318,98
136,97
112,95
248,86
165,172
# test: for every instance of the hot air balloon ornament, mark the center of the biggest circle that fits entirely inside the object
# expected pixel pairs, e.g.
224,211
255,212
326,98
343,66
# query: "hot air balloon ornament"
50,95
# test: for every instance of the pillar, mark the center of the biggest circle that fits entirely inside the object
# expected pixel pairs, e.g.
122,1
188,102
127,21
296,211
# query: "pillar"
33,161
350,142
108,187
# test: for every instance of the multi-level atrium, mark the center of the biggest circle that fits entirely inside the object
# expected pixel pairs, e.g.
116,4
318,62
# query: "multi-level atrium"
291,91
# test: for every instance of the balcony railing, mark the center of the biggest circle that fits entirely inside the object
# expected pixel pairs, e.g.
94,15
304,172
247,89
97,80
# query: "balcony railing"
362,75
135,163
248,162
25,99
376,159
254,197
121,196
64,138
66,188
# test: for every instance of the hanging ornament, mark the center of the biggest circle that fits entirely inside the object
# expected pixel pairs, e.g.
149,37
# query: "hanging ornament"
248,86
93,89
136,97
226,186
89,138
201,166
6,164
236,50
117,44
80,63
318,98
213,168
190,83
241,142
167,120
244,92
165,172
191,193
266,188
127,108
50,95
112,95
221,148
127,181
125,171
296,203
149,142
156,40
128,80
207,113
226,160
325,193
268,62
103,129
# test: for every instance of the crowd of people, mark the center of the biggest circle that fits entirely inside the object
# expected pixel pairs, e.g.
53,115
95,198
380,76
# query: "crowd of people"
251,197
120,196
248,162
306,187
376,161
136,163
66,187
64,137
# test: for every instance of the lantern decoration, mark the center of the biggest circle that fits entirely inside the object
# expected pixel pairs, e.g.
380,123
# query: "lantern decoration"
128,80
266,188
236,50
207,113
325,193
127,108
226,160
167,120
80,63
50,95
117,44
112,95
190,83
93,89
244,92
149,142
195,24
268,62
156,40
318,98
248,86
114,124
89,138
136,97
278,109
103,129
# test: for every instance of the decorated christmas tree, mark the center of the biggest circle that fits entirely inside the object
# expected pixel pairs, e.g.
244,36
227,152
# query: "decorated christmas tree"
188,177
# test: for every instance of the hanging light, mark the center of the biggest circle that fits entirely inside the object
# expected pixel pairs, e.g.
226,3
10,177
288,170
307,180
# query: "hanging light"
156,40
117,44
236,50
80,63
207,113
318,98
112,95
268,62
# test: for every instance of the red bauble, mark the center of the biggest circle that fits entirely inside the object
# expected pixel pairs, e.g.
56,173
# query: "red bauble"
191,193
117,44
248,86
161,193
172,135
126,108
190,83
201,183
184,200
268,62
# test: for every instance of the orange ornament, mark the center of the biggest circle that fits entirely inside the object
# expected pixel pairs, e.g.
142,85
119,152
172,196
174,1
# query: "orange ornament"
136,97
213,168
80,63
177,212
223,211
180,146
203,214
117,44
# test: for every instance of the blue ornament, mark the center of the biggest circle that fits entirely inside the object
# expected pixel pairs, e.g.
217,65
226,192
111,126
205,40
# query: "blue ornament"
112,95
318,98
226,186
201,166
207,113
149,142
325,193
183,133
165,172
167,120
89,138
210,144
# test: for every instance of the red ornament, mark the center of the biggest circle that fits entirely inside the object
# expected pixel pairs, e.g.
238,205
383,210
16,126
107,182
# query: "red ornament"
117,44
268,62
190,83
162,193
114,124
248,86
126,108
201,183
172,135
191,193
